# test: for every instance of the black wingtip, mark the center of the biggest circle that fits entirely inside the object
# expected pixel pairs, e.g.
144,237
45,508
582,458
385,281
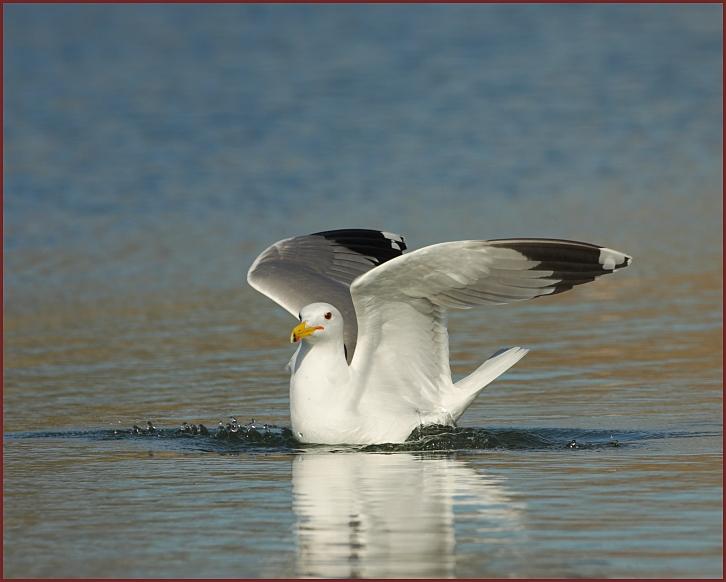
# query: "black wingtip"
380,246
572,262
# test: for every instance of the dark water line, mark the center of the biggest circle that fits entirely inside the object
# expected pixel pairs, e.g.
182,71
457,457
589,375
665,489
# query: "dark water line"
234,437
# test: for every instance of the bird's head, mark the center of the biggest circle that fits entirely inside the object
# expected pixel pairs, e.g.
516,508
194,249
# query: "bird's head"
318,321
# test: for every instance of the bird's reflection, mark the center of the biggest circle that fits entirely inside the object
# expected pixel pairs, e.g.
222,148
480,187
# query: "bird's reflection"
392,515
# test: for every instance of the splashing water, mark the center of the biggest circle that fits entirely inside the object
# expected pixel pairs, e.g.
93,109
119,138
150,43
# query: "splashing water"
233,436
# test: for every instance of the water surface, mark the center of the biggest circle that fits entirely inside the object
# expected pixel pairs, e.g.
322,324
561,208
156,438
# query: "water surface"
152,151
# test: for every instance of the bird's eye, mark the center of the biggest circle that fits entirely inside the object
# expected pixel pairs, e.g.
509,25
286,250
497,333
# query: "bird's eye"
328,315
300,317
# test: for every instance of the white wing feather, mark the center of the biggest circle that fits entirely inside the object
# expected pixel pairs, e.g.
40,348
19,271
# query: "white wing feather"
400,305
297,271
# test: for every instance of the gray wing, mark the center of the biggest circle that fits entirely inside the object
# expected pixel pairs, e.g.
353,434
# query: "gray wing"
297,271
403,341
462,274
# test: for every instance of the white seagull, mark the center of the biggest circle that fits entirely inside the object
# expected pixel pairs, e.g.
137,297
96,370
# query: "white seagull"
373,359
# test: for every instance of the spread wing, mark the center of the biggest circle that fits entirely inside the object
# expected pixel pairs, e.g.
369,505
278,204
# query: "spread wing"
297,271
402,337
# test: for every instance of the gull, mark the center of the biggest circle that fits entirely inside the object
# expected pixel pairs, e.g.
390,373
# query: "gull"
372,362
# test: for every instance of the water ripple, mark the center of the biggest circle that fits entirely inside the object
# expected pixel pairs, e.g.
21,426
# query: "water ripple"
232,436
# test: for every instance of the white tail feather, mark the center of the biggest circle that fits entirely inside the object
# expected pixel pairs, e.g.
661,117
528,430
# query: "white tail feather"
466,389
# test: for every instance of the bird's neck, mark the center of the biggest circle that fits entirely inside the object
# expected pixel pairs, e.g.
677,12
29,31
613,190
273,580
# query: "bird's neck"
321,360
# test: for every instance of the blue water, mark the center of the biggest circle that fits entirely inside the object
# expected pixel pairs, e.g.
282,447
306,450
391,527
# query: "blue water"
222,126
152,151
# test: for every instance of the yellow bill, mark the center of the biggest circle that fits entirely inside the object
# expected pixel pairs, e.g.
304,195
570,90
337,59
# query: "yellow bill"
303,330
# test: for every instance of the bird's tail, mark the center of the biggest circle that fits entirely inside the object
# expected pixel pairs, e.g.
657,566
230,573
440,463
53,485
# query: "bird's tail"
466,389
